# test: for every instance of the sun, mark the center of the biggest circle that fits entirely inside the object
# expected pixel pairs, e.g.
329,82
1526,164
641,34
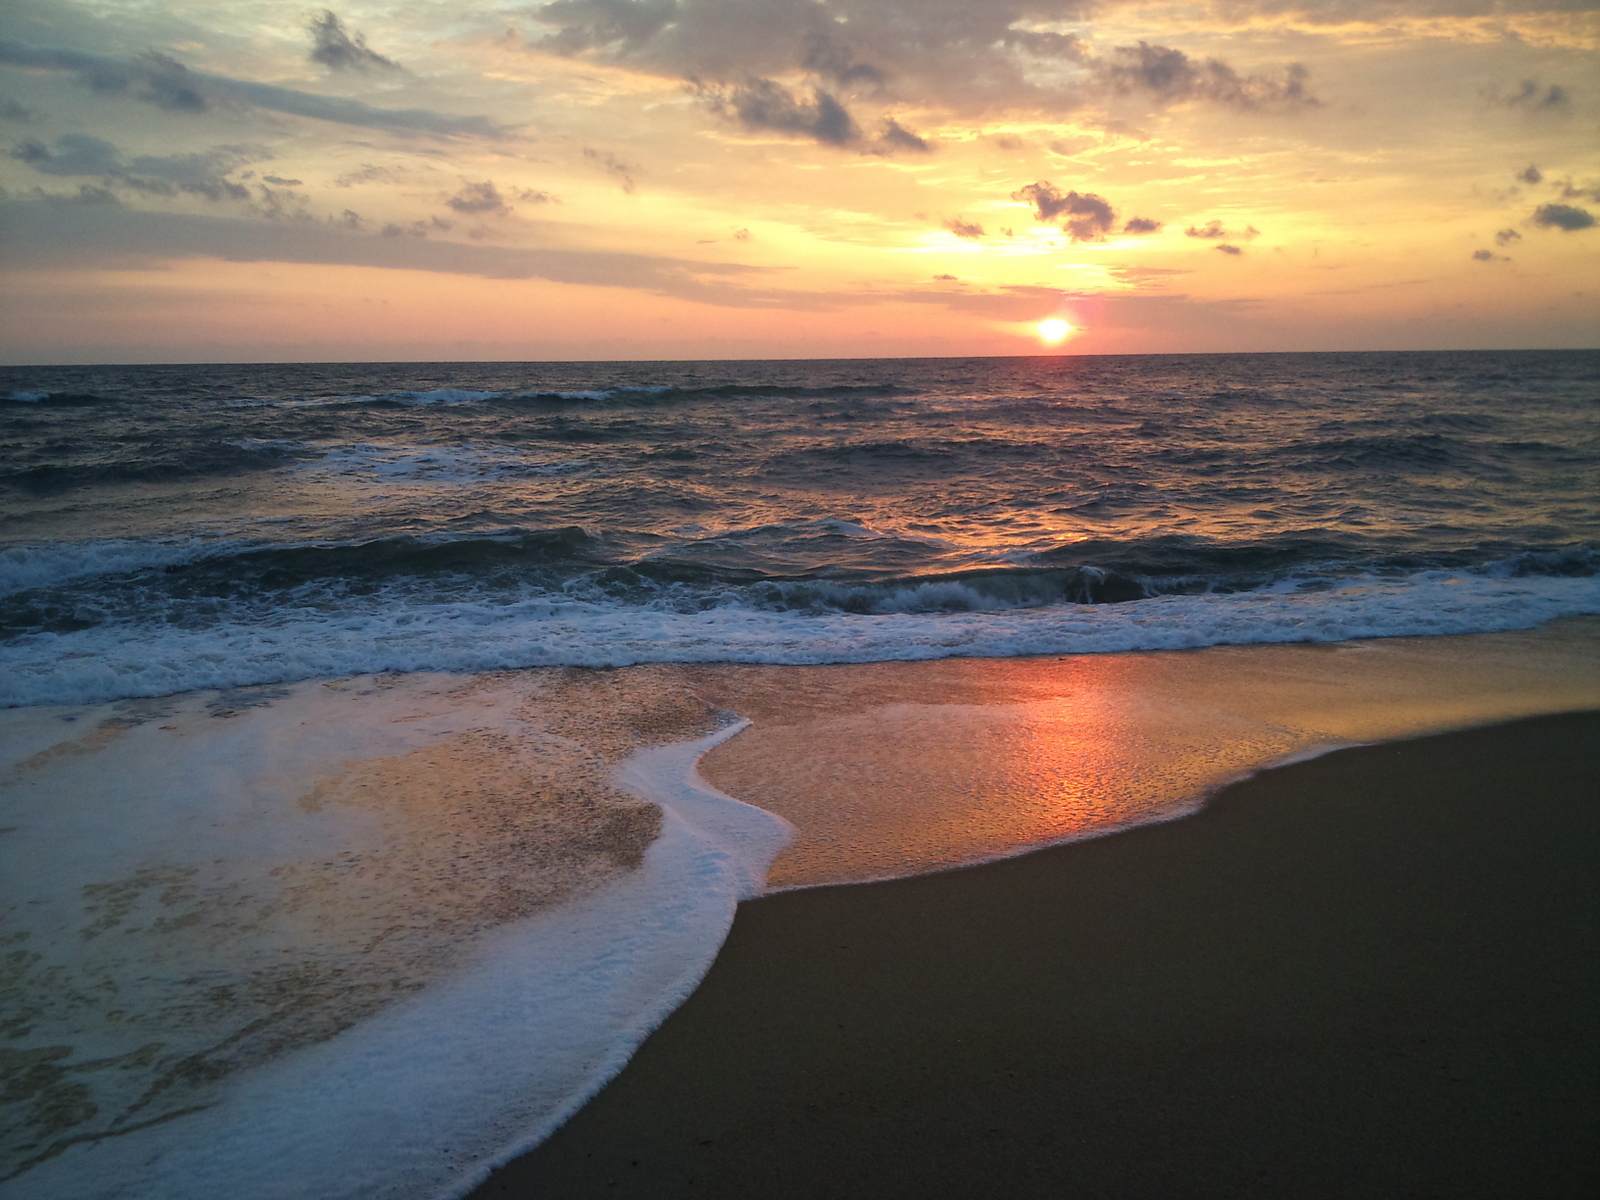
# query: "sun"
1053,330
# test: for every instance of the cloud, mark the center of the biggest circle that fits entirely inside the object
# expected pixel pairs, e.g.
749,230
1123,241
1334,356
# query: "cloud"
1530,174
826,55
280,181
11,110
1506,236
1088,216
609,163
417,228
168,84
479,199
1530,95
1229,249
965,56
622,26
896,136
1562,216
79,154
335,48
964,229
767,104
1173,77
55,236
485,199
1213,230
1141,225
1488,256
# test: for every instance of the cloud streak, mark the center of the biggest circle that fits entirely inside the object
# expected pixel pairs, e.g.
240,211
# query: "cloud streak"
81,155
44,235
167,84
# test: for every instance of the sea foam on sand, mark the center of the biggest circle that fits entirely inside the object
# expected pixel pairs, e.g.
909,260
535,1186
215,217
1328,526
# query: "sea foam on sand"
371,936
277,970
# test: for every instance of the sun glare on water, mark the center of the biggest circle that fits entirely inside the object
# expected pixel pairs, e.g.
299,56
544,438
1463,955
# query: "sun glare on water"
1053,330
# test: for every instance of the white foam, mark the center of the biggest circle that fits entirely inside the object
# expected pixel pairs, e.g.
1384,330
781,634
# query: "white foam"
426,1097
442,396
29,397
391,632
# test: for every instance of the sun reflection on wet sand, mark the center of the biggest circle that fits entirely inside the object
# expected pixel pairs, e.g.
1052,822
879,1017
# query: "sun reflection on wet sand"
889,769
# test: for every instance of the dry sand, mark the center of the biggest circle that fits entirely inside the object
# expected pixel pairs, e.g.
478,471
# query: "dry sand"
1372,974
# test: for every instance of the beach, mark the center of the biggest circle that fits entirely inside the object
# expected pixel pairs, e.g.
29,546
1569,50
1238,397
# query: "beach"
387,751
1367,974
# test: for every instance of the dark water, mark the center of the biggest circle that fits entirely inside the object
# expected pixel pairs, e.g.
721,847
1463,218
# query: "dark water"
142,502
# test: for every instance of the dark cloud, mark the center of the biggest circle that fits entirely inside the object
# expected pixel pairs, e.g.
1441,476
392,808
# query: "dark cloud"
827,56
167,84
946,279
964,55
741,235
1530,95
91,194
337,49
609,163
1225,248
10,110
41,235
767,104
622,26
1562,216
418,229
79,154
1173,77
485,199
1506,236
280,181
151,77
480,199
1141,225
964,229
897,137
1531,174
1213,230
1488,256
1569,192
1089,217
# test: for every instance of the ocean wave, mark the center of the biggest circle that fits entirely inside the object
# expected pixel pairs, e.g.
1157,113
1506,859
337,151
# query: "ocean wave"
389,631
55,563
157,464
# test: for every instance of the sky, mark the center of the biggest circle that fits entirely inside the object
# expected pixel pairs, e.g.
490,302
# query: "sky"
390,180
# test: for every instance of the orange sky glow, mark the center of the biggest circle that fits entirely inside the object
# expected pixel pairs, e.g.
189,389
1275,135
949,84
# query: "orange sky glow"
642,179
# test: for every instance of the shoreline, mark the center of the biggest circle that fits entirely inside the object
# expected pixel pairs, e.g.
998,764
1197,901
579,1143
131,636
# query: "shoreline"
362,794
1367,973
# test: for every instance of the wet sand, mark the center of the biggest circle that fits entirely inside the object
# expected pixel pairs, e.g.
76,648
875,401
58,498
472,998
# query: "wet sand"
1369,974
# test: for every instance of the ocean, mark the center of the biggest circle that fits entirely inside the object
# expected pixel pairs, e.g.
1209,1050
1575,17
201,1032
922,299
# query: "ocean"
170,528
239,602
